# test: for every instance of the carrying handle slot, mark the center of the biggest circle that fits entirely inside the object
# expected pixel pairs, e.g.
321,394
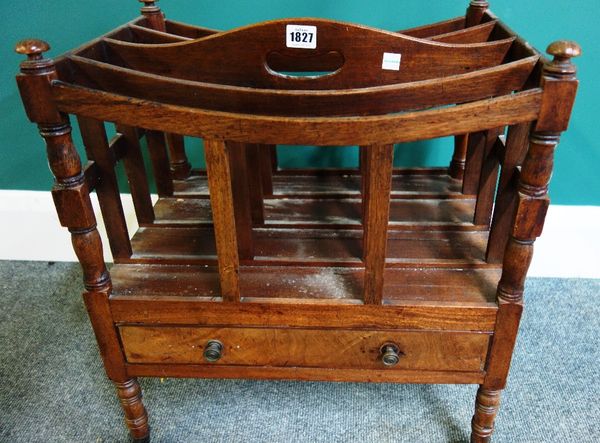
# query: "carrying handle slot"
293,65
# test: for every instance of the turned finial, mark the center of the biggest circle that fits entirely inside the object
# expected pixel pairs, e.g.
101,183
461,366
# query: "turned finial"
562,51
154,17
475,12
484,4
32,48
149,6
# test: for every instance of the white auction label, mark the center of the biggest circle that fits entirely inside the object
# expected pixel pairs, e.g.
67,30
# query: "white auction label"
391,61
301,36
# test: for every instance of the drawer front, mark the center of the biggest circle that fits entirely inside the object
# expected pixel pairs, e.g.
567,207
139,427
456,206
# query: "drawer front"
332,348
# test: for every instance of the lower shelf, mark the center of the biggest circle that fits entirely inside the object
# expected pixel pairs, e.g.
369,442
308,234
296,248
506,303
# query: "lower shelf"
314,218
432,182
460,287
325,210
311,246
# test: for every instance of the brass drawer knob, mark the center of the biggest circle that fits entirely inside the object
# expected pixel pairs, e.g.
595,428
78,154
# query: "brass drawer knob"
390,354
213,350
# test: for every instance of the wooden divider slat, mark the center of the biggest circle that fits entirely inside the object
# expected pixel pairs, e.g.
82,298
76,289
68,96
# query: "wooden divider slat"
517,142
241,198
255,184
379,159
188,31
460,88
96,147
160,162
136,175
474,34
433,29
147,35
474,161
488,179
427,31
361,48
221,200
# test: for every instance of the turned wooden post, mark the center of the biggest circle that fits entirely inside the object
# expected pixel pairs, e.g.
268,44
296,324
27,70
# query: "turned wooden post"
130,396
268,166
459,157
71,198
179,163
560,85
486,407
475,12
154,16
456,170
474,15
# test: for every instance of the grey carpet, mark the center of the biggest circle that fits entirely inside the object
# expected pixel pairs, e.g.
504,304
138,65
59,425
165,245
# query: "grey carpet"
53,389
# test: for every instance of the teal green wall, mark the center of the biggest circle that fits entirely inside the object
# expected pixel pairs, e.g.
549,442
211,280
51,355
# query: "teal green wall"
68,23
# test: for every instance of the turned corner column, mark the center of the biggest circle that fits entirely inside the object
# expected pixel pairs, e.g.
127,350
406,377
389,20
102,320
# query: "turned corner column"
473,17
559,84
487,403
178,160
475,12
459,157
70,191
136,418
72,200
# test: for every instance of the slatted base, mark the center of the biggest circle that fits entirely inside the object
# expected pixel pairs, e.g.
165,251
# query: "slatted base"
314,217
312,247
326,211
421,198
465,287
313,241
420,183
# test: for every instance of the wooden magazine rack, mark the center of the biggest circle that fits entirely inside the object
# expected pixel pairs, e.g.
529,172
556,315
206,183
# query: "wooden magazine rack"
249,271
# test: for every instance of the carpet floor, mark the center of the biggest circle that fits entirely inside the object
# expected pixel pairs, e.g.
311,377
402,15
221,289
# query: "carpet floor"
53,388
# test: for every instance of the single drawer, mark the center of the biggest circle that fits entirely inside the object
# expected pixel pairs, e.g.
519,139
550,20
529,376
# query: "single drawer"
316,348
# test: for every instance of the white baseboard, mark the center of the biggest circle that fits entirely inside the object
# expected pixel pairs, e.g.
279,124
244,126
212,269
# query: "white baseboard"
29,230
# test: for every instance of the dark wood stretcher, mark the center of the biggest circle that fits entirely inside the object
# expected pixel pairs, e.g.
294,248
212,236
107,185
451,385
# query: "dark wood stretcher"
246,270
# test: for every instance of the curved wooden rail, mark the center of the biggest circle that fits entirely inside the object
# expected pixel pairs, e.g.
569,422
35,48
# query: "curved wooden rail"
318,131
474,34
433,29
425,31
135,33
462,88
361,49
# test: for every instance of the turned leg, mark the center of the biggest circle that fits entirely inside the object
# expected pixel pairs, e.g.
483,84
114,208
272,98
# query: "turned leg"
486,408
136,418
